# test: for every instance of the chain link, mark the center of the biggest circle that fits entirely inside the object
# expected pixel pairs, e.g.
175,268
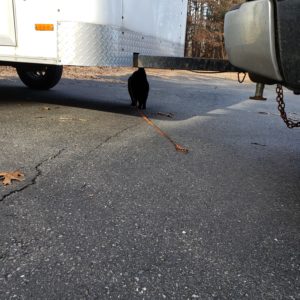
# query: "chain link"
241,80
281,107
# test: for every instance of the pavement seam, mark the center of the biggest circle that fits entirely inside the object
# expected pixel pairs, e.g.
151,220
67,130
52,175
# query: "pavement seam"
37,175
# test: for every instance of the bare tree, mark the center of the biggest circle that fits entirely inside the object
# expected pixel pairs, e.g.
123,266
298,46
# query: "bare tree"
205,23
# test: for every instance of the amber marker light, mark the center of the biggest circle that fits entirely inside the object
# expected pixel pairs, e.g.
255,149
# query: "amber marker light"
44,27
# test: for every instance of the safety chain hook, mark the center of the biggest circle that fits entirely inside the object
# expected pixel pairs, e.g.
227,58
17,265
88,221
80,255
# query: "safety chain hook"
241,80
281,107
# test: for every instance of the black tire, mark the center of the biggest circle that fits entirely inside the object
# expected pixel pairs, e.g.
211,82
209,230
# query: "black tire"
42,77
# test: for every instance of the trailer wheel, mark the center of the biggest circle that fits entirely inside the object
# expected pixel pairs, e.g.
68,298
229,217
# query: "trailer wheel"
41,77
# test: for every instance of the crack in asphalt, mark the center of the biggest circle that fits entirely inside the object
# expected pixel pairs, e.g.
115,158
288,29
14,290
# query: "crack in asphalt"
110,138
4,255
34,179
38,166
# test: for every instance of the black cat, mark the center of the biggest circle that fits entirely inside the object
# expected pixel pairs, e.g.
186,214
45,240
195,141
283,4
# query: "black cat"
138,88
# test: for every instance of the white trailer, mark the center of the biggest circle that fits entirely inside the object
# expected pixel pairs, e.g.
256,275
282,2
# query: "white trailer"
38,37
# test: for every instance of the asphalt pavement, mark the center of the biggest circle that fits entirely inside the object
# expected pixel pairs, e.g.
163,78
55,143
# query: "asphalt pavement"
110,210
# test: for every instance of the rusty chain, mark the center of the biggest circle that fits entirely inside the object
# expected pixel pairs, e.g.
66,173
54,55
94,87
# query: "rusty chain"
281,107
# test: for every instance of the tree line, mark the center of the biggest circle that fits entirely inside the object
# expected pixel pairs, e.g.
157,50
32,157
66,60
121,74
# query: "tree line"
205,27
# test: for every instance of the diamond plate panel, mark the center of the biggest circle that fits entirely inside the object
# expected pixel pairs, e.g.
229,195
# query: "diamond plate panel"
84,44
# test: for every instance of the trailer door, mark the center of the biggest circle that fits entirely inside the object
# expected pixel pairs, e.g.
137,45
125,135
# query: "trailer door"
7,23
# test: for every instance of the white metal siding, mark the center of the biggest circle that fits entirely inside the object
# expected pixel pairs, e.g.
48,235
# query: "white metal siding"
154,27
7,25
